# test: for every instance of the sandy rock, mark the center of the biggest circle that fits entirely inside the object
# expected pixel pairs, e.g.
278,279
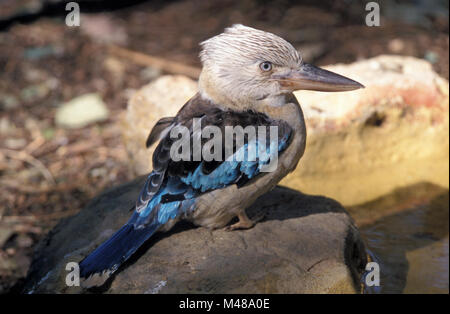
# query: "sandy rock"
306,244
81,111
366,143
361,144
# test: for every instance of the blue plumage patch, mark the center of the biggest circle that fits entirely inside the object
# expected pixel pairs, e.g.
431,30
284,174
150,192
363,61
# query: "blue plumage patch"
246,161
177,194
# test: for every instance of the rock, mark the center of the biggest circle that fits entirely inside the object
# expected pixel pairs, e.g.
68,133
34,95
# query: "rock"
361,144
366,143
429,263
306,244
81,111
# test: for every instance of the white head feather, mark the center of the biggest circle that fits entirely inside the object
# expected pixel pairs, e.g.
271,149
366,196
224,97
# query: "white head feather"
231,61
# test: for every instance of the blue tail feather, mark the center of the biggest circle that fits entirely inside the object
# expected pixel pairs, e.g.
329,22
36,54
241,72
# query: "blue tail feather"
112,253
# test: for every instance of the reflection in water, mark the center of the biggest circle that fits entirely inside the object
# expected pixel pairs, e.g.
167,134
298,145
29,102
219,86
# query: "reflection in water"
410,240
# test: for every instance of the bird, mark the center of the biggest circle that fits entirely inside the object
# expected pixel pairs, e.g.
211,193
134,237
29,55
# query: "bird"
247,79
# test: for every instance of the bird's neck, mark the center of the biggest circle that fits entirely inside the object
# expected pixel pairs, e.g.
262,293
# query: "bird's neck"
208,90
290,111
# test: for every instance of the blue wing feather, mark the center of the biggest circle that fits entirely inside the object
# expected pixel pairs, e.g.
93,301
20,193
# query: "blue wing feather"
231,170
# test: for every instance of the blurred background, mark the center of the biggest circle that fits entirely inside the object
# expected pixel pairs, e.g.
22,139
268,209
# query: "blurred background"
49,171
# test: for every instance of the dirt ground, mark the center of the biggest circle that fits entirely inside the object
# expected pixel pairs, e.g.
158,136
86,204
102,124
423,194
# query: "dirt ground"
48,172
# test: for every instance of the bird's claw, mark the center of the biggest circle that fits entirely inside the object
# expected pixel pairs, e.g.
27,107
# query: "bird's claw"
245,222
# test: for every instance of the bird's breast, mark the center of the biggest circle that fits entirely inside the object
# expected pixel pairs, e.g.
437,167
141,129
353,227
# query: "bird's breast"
291,113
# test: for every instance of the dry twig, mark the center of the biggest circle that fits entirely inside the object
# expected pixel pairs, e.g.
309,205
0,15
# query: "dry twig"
25,157
156,62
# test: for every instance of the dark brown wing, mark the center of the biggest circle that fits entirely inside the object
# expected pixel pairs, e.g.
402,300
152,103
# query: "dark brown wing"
158,128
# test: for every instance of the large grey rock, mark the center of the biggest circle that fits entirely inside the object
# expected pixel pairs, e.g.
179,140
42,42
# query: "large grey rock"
306,244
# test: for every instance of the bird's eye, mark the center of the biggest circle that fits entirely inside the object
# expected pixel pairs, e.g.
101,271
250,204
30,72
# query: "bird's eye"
265,66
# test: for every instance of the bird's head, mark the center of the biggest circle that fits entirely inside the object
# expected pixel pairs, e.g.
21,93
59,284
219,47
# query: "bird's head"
244,66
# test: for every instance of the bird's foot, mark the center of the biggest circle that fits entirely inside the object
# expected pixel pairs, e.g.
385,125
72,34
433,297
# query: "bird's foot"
244,222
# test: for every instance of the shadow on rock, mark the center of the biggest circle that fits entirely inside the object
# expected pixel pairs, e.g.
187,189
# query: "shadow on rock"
305,244
410,232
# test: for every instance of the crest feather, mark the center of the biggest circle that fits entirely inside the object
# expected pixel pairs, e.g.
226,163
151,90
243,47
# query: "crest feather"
241,44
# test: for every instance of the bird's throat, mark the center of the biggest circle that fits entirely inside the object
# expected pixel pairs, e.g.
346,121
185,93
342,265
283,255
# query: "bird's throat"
209,91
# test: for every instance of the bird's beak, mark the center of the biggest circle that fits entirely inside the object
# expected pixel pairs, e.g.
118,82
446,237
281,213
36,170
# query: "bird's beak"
310,77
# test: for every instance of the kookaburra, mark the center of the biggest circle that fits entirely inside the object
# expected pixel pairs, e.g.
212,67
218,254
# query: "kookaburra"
248,79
